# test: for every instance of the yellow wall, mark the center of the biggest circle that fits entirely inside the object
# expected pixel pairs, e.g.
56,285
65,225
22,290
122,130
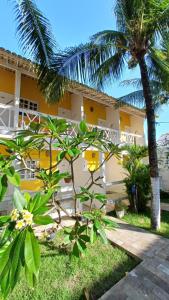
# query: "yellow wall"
92,158
30,90
7,81
99,111
124,120
65,102
43,158
3,150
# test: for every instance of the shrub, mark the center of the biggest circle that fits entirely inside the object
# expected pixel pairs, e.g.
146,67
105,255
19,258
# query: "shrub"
19,246
137,182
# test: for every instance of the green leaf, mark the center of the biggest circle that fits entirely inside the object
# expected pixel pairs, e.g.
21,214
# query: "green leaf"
83,127
97,224
103,236
110,222
82,229
70,152
19,200
67,240
10,171
88,215
27,197
67,230
43,220
101,197
32,253
3,186
16,259
4,256
83,198
81,245
85,238
15,179
61,155
4,220
75,250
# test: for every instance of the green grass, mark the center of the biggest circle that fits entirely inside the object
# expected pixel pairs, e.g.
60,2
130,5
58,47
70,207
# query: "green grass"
64,278
143,221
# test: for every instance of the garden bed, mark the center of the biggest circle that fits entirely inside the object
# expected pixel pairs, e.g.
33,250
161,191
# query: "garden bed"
62,278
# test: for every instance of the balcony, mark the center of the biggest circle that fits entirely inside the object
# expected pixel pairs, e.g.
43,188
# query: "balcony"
12,119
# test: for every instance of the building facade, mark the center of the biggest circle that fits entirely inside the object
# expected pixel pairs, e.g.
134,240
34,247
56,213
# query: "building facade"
21,103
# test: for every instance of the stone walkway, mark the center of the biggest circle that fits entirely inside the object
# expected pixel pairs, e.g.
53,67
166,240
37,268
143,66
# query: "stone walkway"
150,279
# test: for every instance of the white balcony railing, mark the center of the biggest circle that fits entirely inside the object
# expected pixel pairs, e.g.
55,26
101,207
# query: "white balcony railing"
9,115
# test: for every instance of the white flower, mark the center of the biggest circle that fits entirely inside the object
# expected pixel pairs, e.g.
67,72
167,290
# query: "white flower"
27,217
14,215
20,224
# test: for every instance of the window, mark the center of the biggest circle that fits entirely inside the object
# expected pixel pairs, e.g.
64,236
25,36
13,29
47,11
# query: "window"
28,104
29,174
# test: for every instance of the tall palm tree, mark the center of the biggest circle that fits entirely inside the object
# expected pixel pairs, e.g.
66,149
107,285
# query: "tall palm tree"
141,27
34,34
136,98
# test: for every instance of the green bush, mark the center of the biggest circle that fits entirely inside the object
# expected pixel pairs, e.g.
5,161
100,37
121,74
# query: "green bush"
137,182
142,182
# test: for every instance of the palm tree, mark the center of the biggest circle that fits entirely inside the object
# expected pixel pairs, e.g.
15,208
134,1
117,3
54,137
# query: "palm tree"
136,98
142,26
34,34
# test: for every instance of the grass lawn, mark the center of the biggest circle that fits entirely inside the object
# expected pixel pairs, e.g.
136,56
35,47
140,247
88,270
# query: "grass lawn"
143,221
63,278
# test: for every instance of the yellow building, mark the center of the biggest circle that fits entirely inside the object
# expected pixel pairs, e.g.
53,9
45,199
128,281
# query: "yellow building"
21,102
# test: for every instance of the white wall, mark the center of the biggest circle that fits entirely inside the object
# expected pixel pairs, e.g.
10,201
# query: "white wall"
137,127
112,118
77,107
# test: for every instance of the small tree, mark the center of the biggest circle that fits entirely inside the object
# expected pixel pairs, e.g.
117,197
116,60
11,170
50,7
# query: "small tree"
19,247
138,178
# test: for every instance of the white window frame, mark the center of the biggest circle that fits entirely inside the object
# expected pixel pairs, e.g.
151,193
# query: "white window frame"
28,174
29,104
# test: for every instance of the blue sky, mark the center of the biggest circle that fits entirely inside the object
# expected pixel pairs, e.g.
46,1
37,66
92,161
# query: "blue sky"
73,21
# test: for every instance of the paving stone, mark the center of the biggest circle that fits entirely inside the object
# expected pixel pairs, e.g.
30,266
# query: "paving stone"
150,279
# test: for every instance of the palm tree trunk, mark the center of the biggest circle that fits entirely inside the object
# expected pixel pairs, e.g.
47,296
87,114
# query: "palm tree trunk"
152,146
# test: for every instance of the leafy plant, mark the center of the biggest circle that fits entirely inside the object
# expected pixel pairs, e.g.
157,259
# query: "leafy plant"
19,246
138,178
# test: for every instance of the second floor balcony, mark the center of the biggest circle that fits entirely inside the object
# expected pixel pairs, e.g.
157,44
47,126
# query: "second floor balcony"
13,118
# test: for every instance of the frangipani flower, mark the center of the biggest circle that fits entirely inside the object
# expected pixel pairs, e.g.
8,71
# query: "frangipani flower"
20,224
22,218
27,217
14,215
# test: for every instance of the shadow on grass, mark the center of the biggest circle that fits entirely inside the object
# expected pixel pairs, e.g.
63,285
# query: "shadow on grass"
100,287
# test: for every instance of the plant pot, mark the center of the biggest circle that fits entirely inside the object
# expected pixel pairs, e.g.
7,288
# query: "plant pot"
67,180
120,213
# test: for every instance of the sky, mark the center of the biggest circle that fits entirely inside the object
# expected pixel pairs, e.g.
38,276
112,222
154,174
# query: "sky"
73,22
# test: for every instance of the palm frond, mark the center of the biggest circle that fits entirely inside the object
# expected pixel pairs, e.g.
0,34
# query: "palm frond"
135,98
117,38
34,32
135,82
108,71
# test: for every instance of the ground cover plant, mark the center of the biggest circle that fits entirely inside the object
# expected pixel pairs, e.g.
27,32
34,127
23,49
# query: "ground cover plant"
19,246
68,278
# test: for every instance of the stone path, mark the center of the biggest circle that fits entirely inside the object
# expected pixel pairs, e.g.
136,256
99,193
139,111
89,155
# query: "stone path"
150,279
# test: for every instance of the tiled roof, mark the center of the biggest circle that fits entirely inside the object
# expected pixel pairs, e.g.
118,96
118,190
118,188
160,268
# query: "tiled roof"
12,59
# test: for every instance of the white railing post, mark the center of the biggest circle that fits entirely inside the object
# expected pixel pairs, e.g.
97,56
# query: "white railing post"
17,97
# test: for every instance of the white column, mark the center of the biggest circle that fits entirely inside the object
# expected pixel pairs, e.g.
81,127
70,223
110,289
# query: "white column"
17,96
77,107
